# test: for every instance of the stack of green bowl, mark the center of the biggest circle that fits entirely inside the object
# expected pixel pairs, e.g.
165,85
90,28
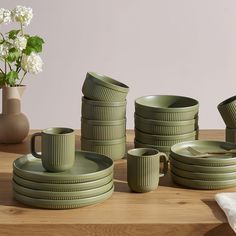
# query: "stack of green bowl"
203,164
164,120
103,122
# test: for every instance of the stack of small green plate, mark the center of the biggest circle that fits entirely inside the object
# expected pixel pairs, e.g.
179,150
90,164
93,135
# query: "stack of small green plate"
103,123
164,120
90,181
204,164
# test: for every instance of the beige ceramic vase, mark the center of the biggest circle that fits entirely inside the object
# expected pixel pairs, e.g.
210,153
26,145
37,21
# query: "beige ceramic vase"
14,125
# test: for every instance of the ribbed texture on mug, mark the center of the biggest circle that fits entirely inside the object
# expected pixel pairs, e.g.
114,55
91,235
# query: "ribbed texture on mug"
109,112
95,91
166,116
143,173
115,151
228,113
230,135
58,152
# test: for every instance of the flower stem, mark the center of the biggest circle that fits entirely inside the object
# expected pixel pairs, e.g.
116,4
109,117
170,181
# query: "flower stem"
5,64
1,70
21,28
22,78
9,66
2,36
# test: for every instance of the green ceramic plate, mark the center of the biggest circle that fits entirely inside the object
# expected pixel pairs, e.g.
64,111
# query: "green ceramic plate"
62,204
202,169
180,153
61,195
203,176
202,184
63,187
88,167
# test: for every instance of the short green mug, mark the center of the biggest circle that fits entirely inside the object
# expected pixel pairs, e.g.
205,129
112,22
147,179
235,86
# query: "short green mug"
58,148
143,169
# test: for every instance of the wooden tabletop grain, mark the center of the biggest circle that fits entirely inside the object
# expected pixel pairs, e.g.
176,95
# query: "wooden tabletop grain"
170,210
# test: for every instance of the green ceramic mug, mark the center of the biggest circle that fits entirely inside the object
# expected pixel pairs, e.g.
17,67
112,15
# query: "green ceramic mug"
58,148
143,169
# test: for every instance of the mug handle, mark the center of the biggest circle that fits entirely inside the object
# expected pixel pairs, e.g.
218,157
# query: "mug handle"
164,157
32,145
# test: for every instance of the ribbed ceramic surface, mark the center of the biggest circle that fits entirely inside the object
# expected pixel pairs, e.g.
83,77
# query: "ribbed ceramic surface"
114,151
106,131
162,140
228,113
109,112
143,173
58,151
230,135
166,116
152,128
96,91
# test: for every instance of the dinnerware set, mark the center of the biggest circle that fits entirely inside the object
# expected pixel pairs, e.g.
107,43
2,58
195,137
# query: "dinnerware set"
227,109
103,123
164,120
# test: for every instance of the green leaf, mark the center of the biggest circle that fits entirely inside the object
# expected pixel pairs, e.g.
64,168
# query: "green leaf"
13,33
34,44
13,55
11,77
2,79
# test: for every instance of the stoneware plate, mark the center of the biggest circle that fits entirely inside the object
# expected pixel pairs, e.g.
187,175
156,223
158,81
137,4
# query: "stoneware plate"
203,176
62,204
181,153
88,167
63,187
61,195
202,169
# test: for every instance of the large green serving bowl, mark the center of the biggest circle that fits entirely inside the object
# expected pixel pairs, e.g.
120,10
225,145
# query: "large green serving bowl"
167,107
160,127
102,110
103,88
163,140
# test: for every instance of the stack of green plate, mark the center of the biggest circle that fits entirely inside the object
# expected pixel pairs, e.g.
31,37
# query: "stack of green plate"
204,164
164,120
103,123
90,181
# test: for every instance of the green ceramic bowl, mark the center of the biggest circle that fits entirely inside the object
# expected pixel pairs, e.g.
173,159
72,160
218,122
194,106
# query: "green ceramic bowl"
203,176
202,169
230,135
164,149
167,107
103,88
161,140
203,184
101,110
115,149
165,127
181,153
103,130
227,110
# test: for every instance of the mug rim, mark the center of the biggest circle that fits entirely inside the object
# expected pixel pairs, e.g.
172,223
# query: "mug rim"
65,129
132,153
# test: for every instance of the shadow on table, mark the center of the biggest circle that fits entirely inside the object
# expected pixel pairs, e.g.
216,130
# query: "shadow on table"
221,230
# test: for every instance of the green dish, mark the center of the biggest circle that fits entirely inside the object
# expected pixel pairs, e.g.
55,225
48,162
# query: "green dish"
103,88
202,169
61,195
203,176
103,130
62,204
161,140
115,149
63,187
180,153
101,110
202,184
167,107
160,127
87,167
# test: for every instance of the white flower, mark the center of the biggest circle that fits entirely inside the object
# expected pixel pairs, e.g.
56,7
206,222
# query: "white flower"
5,16
22,15
32,63
3,50
20,42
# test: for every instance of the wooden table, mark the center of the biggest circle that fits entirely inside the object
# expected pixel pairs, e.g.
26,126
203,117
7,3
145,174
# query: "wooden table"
170,210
